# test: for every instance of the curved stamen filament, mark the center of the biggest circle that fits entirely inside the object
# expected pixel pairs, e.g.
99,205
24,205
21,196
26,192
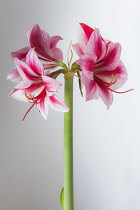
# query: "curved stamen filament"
33,100
28,111
112,82
118,91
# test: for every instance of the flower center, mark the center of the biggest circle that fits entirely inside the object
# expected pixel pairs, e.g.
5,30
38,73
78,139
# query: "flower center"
112,81
109,84
34,100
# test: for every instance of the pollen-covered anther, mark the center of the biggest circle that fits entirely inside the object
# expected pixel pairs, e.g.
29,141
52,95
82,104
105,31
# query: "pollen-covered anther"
112,82
31,98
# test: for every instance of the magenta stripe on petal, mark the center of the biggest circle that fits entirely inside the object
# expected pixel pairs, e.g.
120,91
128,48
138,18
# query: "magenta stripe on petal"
91,91
87,29
43,107
95,45
119,74
51,85
35,89
106,95
87,65
57,104
112,58
25,71
34,63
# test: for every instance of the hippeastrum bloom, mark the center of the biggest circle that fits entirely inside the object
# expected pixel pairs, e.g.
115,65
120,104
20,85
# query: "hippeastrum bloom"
45,47
102,71
36,87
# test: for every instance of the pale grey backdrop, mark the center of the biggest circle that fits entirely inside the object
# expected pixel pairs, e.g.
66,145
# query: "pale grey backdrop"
106,142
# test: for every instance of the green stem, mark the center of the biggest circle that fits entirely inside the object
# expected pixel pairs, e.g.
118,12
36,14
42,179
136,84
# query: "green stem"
68,146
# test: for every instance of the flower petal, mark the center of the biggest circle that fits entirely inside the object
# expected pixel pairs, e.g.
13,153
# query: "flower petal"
20,54
35,89
57,104
95,45
119,74
106,95
82,39
87,29
40,40
14,76
43,107
22,85
91,91
34,63
112,58
51,85
18,95
122,76
56,53
54,40
77,49
87,65
25,71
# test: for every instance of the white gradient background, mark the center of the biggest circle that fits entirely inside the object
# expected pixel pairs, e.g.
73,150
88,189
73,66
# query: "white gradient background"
106,142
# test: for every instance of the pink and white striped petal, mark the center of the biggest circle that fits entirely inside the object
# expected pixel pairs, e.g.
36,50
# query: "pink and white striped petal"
106,95
57,104
14,76
87,65
111,59
34,63
18,95
50,84
43,107
26,73
22,85
78,50
95,45
119,74
91,91
35,89
122,76
82,39
87,29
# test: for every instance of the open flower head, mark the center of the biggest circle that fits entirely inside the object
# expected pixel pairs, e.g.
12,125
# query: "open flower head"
35,87
45,48
102,71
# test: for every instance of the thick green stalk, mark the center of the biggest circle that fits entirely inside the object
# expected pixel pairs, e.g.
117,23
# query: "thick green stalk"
68,146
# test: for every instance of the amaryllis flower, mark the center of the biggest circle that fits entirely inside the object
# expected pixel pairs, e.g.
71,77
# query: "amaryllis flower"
35,87
102,70
45,47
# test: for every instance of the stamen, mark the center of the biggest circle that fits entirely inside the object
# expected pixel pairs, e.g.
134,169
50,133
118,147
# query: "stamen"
34,100
112,82
28,112
118,91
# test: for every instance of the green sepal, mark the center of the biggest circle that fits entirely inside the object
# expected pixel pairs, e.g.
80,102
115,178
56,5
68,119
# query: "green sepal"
60,63
62,198
75,66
